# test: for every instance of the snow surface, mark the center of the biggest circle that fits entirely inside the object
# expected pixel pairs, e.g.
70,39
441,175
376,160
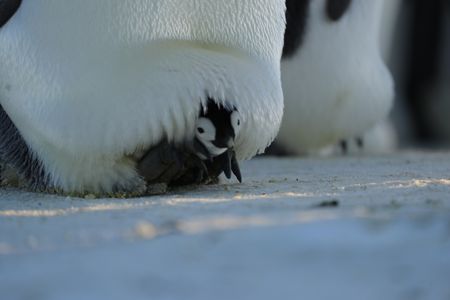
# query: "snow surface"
315,228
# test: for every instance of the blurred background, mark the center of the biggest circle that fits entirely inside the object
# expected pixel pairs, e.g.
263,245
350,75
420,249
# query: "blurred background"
416,46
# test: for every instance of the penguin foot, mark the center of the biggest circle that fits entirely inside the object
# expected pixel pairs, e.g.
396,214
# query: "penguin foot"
351,145
360,143
344,146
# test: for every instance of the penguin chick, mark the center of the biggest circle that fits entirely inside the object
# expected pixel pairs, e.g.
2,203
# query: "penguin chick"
215,133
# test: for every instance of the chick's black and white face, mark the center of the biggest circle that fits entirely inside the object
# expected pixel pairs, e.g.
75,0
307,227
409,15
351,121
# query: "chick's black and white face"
206,134
205,131
217,132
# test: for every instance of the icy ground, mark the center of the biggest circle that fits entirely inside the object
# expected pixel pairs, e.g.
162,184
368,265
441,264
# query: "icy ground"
333,228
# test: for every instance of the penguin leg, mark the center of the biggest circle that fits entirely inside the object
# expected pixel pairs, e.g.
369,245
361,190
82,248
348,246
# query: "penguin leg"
344,146
351,146
360,143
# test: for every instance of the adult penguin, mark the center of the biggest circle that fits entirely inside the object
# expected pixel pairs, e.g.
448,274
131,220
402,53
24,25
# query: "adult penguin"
88,86
336,85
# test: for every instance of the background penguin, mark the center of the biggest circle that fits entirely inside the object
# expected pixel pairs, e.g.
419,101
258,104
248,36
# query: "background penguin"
335,82
88,86
423,70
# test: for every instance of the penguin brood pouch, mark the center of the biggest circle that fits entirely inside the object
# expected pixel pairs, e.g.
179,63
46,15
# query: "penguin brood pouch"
110,96
209,154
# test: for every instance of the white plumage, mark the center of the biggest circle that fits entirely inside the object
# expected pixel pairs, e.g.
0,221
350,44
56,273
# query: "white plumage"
90,82
336,86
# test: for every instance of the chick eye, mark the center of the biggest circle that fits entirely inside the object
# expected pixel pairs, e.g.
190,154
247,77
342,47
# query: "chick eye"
239,122
200,130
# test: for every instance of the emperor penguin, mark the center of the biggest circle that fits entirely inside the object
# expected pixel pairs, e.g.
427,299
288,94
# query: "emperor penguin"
336,84
216,131
88,86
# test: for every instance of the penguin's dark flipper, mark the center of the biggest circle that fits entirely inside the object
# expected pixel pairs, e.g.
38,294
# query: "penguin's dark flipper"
225,162
230,164
235,166
7,9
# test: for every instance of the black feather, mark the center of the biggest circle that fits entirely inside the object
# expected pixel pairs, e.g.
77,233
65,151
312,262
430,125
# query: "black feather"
335,9
225,160
220,117
7,9
16,153
296,23
235,166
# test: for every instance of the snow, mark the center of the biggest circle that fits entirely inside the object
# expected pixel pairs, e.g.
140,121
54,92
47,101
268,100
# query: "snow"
311,228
